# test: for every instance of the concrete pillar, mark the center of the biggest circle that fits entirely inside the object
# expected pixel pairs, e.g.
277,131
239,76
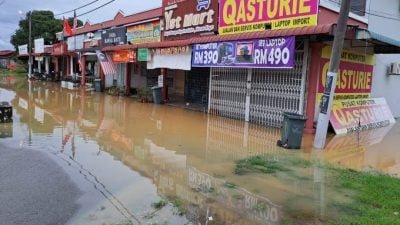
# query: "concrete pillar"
68,67
39,65
56,68
83,73
128,78
164,88
102,77
71,64
47,64
316,49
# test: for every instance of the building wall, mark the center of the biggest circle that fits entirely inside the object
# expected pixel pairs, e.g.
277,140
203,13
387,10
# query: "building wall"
384,85
378,18
180,82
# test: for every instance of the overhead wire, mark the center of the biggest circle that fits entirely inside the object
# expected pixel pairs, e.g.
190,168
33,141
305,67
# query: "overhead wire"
101,6
80,7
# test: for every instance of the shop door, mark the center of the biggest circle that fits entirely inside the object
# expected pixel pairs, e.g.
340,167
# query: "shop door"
259,95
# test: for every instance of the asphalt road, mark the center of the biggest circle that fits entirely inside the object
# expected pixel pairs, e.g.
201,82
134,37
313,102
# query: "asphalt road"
34,190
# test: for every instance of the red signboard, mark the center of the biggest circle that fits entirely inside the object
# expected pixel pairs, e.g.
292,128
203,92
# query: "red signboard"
124,56
185,19
360,114
354,75
59,48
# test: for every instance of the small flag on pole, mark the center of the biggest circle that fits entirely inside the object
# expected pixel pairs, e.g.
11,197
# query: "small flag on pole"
67,28
74,24
106,63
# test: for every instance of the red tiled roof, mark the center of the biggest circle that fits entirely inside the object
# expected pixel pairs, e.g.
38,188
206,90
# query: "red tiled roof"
6,52
119,20
319,29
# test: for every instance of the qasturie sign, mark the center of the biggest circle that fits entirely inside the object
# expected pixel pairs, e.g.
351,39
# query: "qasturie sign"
113,36
259,53
240,16
360,114
189,18
354,78
144,33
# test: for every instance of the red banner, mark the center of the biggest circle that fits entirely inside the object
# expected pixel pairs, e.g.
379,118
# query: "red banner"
360,114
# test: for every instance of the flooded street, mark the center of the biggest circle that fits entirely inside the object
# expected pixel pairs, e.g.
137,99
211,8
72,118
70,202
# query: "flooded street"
125,157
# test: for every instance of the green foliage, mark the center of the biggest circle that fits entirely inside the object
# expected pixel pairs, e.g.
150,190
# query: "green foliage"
144,92
230,185
178,204
376,197
159,205
372,198
261,163
44,25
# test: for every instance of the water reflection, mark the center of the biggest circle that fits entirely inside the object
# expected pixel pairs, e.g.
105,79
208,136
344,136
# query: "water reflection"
126,156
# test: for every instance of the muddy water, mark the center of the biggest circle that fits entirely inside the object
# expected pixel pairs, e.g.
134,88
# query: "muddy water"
125,156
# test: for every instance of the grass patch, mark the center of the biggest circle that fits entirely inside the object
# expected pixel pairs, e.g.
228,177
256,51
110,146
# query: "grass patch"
20,72
374,199
268,164
159,205
178,204
230,185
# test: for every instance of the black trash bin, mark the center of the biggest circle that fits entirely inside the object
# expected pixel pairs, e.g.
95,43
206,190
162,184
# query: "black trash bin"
292,130
97,85
157,94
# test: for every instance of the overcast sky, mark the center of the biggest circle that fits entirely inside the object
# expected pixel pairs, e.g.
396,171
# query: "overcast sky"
9,12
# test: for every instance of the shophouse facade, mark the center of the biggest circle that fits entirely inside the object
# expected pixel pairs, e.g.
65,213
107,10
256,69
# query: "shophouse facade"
239,59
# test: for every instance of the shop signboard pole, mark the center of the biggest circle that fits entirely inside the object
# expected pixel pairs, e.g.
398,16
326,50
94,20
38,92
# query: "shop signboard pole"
330,84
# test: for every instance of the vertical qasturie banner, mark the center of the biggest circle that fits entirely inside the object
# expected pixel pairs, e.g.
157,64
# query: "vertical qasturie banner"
240,16
354,78
258,53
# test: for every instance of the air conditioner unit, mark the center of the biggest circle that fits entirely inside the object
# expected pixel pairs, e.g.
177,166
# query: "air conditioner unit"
394,69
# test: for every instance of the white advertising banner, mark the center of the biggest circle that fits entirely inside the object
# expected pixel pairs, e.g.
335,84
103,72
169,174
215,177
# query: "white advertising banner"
75,43
23,49
169,60
39,45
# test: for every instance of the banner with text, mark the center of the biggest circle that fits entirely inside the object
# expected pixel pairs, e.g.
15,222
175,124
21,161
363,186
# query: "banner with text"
259,53
354,75
144,33
240,16
360,114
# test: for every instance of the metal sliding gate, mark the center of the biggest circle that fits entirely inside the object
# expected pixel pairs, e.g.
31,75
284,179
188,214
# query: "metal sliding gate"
259,95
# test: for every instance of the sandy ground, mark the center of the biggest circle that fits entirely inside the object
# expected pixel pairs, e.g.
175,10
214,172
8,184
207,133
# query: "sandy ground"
34,189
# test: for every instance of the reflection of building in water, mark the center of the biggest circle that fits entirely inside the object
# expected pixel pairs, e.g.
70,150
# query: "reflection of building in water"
351,150
202,191
236,139
6,130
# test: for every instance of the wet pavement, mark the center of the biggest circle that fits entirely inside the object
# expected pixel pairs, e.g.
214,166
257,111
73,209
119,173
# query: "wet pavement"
125,156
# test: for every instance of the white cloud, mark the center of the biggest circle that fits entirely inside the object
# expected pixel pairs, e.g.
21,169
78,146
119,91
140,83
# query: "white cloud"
10,16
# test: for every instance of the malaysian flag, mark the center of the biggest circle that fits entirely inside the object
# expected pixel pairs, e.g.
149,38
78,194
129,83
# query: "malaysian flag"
106,63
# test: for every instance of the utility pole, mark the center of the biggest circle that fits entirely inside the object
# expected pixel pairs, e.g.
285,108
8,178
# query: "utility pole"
30,45
331,77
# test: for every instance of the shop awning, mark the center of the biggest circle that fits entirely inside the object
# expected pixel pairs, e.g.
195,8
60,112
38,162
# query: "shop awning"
301,31
382,43
326,29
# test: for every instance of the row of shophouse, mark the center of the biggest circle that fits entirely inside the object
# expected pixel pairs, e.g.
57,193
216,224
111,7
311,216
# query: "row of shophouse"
247,60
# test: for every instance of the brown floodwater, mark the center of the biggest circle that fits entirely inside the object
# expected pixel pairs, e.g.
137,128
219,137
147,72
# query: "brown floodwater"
125,156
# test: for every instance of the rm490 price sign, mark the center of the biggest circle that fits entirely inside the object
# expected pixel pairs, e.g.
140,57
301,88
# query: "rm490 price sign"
260,53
